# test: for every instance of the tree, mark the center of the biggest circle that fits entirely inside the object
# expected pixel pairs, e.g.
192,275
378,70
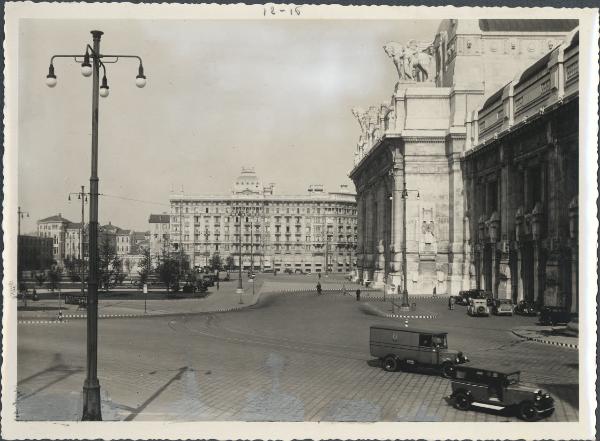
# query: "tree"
109,265
168,272
54,277
215,263
230,262
145,266
73,266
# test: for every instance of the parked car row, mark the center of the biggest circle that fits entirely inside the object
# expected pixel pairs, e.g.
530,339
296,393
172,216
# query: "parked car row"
472,386
481,303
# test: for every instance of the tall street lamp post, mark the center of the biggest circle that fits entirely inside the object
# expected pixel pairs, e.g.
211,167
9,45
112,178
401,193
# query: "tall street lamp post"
91,62
82,196
238,212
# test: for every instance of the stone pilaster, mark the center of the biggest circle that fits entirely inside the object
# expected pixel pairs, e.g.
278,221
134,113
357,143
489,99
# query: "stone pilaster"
398,220
379,270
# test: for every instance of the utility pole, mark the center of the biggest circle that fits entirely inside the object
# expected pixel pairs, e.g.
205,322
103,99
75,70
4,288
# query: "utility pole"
180,239
82,196
21,215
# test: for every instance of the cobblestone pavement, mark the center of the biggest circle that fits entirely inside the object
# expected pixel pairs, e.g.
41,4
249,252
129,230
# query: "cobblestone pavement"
289,358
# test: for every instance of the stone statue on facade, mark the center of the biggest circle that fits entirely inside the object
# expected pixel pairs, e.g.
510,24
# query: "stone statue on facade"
412,61
397,53
428,231
361,117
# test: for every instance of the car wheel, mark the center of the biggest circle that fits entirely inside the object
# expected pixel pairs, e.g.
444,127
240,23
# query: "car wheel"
448,370
527,411
462,401
390,363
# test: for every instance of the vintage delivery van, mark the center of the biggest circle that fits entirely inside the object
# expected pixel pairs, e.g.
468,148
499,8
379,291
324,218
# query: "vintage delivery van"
396,347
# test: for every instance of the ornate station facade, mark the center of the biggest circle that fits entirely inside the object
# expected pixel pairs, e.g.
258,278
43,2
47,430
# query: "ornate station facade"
439,204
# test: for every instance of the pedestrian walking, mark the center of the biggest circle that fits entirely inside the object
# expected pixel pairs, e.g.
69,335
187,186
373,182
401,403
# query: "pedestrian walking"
319,275
434,291
451,302
344,289
358,295
319,288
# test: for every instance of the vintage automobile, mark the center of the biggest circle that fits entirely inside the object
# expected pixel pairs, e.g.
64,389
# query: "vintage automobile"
526,307
554,315
502,307
464,297
398,347
478,308
496,389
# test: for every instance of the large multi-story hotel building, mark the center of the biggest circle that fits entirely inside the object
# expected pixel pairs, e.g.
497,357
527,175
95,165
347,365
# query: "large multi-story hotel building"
271,232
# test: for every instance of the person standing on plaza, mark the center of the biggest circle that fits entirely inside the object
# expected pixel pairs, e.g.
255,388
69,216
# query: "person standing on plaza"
319,288
451,302
358,295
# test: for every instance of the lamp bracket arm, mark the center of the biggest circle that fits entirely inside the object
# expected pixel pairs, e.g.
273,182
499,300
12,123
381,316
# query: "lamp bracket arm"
116,57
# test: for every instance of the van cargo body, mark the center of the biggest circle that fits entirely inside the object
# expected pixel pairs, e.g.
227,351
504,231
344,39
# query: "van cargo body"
397,346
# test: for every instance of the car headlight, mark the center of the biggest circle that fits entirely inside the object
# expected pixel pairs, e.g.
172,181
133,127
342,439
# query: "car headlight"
537,398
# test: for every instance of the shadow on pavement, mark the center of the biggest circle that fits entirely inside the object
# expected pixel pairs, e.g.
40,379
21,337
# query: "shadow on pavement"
63,371
375,362
135,412
568,393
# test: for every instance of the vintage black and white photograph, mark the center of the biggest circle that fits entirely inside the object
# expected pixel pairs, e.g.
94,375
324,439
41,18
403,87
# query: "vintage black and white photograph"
266,214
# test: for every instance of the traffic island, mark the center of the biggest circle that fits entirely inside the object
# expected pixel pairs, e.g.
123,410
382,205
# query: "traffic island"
393,310
547,335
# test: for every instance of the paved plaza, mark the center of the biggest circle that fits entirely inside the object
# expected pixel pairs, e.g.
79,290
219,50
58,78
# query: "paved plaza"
292,356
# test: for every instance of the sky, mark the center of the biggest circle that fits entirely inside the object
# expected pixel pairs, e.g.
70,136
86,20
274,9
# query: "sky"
221,95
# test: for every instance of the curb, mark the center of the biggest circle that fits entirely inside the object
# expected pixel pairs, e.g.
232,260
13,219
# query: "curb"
166,314
547,342
426,316
41,322
426,298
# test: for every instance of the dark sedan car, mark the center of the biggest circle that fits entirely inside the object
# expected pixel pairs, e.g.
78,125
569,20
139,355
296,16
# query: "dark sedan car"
525,307
464,297
553,315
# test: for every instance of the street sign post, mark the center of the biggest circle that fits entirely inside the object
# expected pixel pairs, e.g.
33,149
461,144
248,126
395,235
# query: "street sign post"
145,296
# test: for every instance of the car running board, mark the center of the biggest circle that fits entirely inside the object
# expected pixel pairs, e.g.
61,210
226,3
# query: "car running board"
488,406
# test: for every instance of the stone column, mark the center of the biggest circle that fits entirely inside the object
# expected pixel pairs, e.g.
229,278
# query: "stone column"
369,209
494,231
573,236
395,275
457,243
536,219
481,243
505,285
466,268
379,270
519,274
